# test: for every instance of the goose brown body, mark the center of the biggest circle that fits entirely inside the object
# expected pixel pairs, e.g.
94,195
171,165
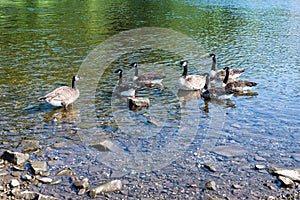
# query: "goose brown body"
239,85
124,89
216,93
63,96
220,74
190,82
147,78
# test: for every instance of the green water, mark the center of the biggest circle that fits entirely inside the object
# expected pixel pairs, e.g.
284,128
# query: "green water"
44,43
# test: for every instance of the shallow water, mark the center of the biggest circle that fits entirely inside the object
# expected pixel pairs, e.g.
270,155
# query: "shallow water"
43,44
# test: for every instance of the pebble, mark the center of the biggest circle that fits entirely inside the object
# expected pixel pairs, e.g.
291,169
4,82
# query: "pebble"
111,186
286,181
210,168
65,172
4,173
236,186
211,185
26,177
260,167
14,183
38,166
45,179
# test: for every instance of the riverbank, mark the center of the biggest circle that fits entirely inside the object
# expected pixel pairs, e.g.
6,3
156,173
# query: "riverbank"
61,171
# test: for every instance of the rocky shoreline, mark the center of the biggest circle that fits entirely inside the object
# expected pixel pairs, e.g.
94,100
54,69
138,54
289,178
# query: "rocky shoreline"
31,174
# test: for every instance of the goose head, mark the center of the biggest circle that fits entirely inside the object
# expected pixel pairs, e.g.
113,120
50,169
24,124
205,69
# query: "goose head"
183,63
134,64
212,55
76,78
119,71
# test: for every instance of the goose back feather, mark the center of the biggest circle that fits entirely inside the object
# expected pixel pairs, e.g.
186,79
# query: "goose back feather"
220,74
63,96
124,89
190,82
216,93
238,85
146,78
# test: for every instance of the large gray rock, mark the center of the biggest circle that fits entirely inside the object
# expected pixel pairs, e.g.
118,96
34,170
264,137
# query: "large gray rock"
38,166
111,186
138,103
16,158
291,174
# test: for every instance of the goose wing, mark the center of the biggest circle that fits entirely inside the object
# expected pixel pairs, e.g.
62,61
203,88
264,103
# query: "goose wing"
192,82
63,94
147,77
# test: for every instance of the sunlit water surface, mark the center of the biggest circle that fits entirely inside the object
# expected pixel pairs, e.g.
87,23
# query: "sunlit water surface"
44,44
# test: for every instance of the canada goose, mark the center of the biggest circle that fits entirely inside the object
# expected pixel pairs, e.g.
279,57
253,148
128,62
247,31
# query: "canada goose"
220,74
238,85
215,93
122,88
63,96
146,78
190,82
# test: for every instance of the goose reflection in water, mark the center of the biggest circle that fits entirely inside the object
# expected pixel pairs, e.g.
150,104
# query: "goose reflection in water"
227,103
188,95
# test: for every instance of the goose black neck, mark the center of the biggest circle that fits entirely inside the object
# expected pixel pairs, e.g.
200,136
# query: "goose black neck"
213,66
74,83
206,83
226,76
184,73
136,71
120,78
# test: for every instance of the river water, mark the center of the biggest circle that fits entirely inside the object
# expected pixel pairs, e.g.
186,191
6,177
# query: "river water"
45,43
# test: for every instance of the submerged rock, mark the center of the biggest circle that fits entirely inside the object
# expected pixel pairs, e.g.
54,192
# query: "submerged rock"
82,186
45,179
211,185
111,186
138,103
210,168
230,150
30,145
16,158
65,172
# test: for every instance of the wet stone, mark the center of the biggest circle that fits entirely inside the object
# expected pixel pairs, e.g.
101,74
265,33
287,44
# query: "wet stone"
84,184
230,150
56,182
111,186
26,177
16,173
65,172
38,166
237,186
286,181
291,174
14,183
210,168
138,103
30,145
45,179
211,185
16,158
260,167
59,145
